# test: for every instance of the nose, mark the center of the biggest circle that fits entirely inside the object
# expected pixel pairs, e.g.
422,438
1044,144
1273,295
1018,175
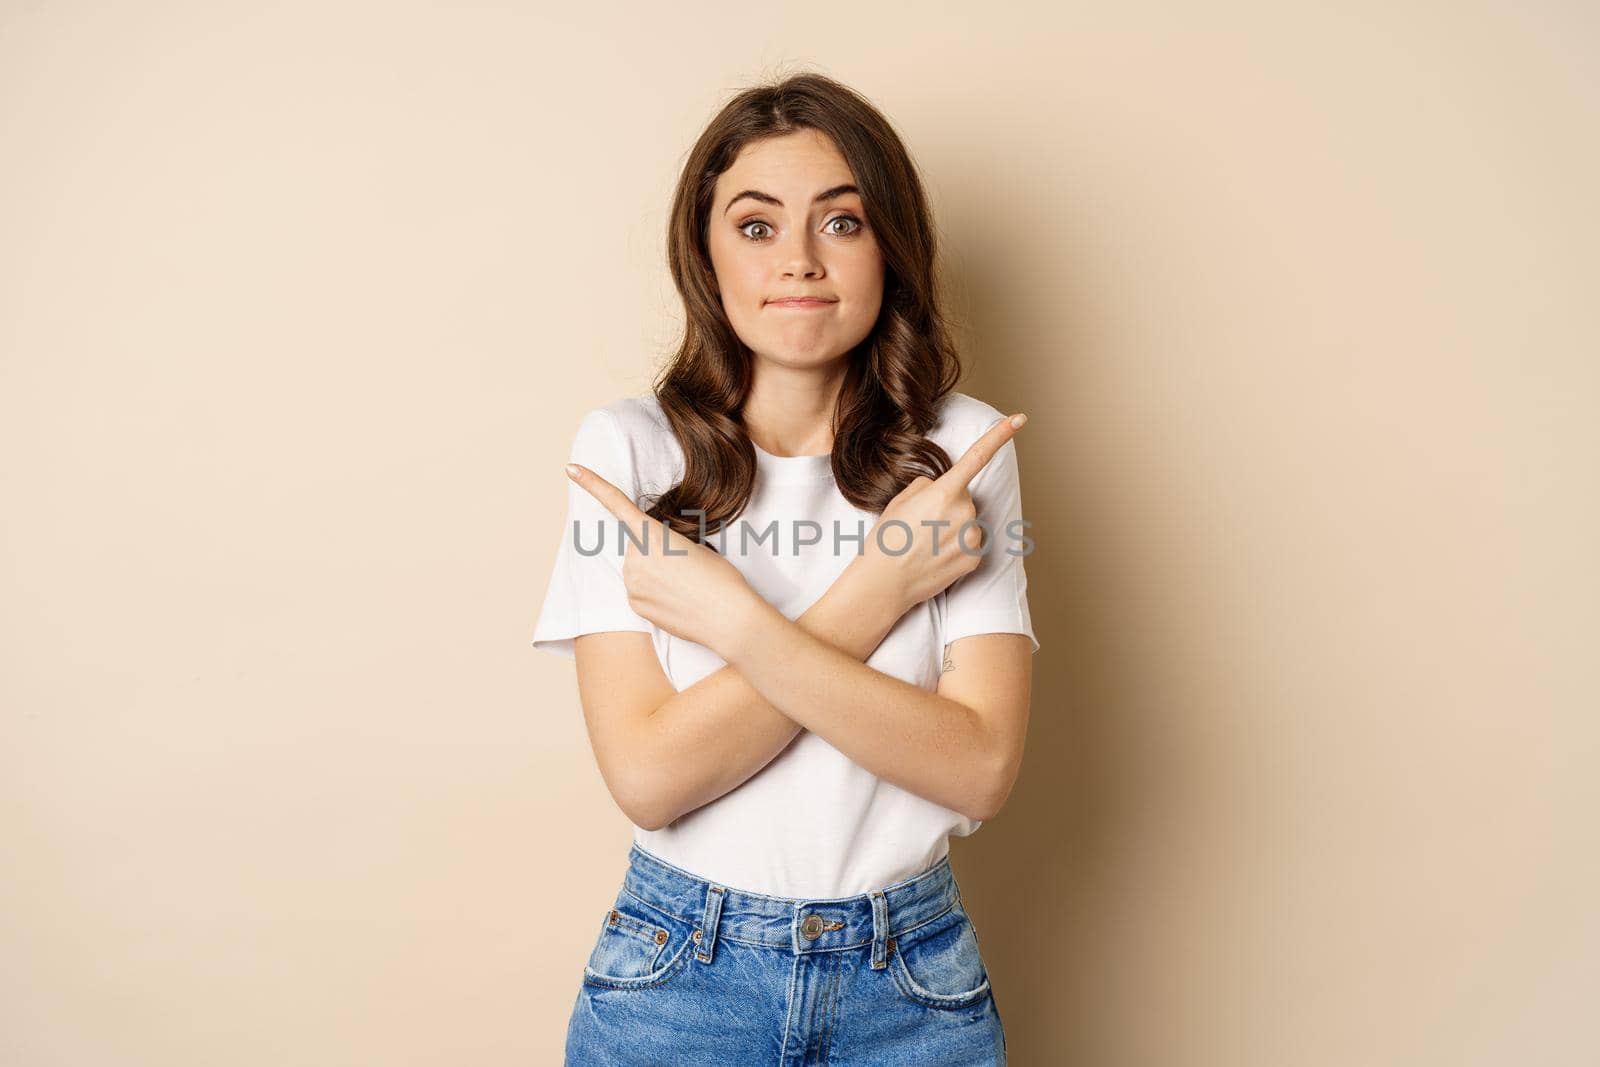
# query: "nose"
800,261
802,269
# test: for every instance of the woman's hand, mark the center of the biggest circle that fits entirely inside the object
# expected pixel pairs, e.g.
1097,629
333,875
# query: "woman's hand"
675,582
934,559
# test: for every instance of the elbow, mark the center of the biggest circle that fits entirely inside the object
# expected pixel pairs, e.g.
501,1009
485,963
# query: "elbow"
989,804
640,788
648,822
643,815
643,800
642,807
996,788
986,804
995,757
657,816
985,810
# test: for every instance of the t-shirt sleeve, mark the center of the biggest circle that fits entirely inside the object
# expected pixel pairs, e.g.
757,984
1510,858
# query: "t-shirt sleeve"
586,593
993,598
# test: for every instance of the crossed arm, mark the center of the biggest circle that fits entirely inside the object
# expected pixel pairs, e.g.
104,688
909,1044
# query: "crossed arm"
960,746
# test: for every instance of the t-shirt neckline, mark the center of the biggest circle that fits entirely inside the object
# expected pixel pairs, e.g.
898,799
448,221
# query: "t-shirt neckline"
793,468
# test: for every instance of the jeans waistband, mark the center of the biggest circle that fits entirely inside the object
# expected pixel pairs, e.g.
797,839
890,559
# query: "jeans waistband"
823,924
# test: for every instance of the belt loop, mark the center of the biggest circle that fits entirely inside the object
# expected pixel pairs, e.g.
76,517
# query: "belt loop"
707,934
880,930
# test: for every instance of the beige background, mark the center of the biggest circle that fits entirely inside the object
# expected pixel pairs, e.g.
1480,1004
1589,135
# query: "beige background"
300,305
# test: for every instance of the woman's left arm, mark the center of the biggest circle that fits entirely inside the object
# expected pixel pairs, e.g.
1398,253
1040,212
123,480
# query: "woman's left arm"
960,746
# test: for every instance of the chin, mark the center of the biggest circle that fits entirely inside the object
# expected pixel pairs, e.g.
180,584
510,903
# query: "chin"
800,359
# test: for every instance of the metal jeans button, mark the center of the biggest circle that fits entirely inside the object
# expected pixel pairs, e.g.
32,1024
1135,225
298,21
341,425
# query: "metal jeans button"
811,928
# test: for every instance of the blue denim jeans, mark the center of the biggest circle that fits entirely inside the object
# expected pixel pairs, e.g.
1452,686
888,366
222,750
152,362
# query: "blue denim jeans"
685,971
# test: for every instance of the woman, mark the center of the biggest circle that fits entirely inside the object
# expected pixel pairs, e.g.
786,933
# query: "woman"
759,649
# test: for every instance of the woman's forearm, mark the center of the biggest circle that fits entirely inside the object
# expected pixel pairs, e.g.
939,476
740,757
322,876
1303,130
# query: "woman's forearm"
925,743
712,736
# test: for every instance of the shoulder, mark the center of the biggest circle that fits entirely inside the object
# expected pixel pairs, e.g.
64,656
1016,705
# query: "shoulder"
638,430
633,418
962,419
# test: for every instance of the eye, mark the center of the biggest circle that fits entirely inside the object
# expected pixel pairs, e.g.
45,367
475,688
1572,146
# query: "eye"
760,238
753,222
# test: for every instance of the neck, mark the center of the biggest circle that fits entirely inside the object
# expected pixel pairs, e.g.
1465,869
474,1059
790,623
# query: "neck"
790,410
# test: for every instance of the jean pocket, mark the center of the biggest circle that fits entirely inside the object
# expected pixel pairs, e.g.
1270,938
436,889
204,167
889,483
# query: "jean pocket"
638,947
938,965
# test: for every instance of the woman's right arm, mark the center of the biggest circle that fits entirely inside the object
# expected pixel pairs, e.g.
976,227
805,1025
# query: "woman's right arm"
664,752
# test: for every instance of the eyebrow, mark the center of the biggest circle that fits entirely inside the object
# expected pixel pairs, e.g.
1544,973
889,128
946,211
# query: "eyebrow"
768,198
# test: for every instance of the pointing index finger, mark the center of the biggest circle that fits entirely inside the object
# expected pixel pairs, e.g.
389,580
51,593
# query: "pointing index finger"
610,497
972,462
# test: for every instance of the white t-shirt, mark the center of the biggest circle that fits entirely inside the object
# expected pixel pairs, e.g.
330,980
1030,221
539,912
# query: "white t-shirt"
811,823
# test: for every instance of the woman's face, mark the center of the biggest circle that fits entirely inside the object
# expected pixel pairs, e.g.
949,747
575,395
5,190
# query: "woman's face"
771,237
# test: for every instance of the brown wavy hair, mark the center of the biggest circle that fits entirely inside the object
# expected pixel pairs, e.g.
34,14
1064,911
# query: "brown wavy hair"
896,376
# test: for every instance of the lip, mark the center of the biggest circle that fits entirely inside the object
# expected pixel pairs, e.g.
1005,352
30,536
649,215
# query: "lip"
801,302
